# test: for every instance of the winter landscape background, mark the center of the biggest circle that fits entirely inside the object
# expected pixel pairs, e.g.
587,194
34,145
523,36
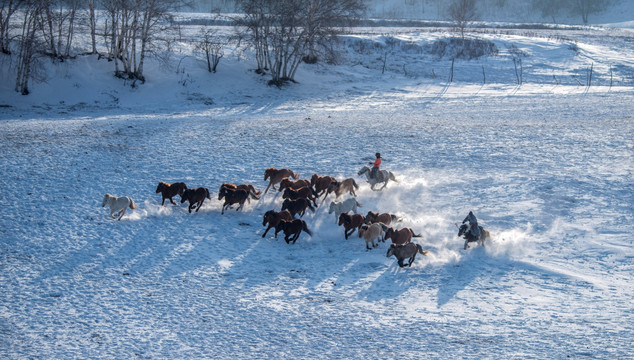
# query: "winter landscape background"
546,166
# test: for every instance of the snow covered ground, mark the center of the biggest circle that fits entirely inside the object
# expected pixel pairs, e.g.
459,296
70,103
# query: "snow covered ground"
546,167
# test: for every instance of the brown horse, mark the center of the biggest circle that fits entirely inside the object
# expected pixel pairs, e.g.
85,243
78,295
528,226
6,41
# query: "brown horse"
341,187
301,193
321,183
235,196
287,183
292,228
276,176
170,190
371,217
273,217
399,237
195,196
402,252
298,206
245,187
350,223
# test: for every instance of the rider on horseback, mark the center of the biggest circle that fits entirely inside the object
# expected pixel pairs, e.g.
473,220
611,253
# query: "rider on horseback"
474,229
375,168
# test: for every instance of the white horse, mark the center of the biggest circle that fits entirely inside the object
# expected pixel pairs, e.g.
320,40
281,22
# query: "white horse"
383,176
343,207
118,205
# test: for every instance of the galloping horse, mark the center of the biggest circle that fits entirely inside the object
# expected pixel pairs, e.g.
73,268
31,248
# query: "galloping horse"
276,176
118,204
170,190
383,176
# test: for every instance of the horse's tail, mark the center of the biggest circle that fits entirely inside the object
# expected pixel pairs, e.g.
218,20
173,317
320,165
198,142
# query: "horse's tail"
254,195
421,251
132,204
305,228
354,183
207,194
392,177
358,204
415,235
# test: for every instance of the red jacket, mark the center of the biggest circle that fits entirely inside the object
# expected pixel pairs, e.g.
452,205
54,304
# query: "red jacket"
377,162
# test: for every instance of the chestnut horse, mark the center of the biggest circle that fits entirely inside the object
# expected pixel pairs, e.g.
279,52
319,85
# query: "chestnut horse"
276,176
273,217
341,187
402,252
297,206
301,193
350,223
292,229
399,237
321,183
287,183
371,217
170,190
235,196
195,196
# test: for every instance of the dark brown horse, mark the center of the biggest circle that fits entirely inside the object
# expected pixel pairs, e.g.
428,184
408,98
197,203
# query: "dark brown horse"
371,217
276,176
399,237
273,217
246,187
402,252
170,190
235,196
292,229
195,196
321,183
301,193
287,183
350,223
342,187
298,206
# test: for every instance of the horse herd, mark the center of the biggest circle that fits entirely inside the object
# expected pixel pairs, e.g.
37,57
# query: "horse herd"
299,196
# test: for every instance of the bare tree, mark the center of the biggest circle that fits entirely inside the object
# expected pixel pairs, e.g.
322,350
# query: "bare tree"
8,8
285,32
212,47
587,7
134,26
92,23
462,12
31,11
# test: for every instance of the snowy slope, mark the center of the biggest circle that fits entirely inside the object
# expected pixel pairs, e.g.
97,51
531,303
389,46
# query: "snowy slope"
546,167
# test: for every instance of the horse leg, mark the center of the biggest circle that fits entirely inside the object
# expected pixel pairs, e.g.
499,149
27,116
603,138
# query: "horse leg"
466,244
267,230
163,203
121,213
172,201
400,263
296,236
411,260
